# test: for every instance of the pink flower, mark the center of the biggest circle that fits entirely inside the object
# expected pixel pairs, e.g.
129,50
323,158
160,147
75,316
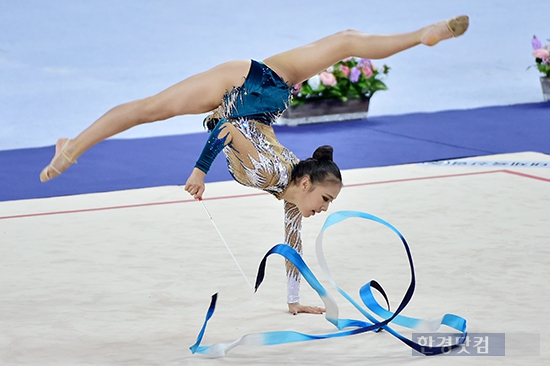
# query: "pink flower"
345,70
328,79
541,53
347,59
296,88
367,71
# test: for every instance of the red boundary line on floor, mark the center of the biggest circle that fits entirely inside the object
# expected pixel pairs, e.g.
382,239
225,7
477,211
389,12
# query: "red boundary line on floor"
264,193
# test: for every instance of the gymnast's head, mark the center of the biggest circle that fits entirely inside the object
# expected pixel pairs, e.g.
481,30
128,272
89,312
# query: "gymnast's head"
317,182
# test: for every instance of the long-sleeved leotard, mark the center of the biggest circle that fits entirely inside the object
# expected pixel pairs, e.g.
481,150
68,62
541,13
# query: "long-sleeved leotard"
265,164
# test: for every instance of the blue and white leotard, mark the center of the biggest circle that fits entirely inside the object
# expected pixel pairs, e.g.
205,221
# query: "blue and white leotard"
252,108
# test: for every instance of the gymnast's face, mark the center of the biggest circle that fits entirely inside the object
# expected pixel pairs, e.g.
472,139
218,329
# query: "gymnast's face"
315,198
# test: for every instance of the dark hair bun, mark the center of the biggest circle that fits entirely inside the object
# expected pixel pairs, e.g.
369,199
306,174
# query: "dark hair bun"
323,153
320,168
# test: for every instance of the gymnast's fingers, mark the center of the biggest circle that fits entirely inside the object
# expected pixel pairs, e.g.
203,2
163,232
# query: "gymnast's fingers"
192,189
198,194
297,308
313,310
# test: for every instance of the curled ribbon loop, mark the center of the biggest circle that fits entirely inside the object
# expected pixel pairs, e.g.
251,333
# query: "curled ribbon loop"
346,327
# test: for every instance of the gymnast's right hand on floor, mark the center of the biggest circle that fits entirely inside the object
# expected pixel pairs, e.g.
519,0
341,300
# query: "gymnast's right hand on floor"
296,308
195,183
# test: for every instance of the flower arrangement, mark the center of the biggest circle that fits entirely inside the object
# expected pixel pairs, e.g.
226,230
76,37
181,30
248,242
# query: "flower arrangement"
352,78
542,56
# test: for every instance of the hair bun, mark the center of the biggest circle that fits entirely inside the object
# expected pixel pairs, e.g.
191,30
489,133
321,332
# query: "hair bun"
323,153
320,168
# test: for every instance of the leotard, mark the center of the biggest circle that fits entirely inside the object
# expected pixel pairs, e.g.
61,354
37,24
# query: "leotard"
252,108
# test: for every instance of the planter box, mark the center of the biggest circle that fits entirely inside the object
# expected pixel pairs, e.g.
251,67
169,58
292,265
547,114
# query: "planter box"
545,85
319,111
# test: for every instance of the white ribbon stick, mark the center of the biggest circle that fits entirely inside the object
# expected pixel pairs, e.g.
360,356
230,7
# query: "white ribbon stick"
227,246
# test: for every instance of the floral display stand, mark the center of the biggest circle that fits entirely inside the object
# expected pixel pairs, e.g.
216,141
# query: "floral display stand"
340,93
331,110
542,63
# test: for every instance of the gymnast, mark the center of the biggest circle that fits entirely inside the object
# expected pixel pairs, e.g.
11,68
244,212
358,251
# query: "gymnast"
246,97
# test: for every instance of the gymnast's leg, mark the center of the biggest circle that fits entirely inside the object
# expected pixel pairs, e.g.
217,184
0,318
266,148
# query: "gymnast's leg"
204,92
301,63
197,94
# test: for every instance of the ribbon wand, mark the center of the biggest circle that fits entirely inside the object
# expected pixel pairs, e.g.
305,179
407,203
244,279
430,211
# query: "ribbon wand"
227,246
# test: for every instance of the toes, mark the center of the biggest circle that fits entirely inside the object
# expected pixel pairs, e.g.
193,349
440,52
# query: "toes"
44,176
457,26
59,163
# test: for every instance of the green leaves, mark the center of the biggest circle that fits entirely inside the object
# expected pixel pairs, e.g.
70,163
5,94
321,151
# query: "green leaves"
543,67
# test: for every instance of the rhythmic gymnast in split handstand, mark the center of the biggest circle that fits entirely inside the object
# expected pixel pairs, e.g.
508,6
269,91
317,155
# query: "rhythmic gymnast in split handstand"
247,97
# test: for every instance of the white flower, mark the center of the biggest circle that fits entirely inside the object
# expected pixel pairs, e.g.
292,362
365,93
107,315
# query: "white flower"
314,82
330,69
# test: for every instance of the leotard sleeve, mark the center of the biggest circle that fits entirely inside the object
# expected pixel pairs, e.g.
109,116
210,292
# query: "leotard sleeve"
212,148
293,227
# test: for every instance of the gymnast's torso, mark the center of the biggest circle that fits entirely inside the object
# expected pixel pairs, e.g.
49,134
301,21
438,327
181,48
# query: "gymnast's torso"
252,108
264,164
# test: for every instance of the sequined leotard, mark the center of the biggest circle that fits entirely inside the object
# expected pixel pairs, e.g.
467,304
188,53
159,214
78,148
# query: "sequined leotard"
252,108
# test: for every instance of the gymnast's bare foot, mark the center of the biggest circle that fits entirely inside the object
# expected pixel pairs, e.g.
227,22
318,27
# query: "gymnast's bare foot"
440,31
61,161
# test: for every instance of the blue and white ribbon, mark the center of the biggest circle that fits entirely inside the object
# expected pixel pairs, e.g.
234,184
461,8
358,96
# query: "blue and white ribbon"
378,318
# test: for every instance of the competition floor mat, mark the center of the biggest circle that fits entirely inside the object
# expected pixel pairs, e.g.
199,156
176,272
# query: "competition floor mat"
125,277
